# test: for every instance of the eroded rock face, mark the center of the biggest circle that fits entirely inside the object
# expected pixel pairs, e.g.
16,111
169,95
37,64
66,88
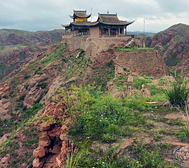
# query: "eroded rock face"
55,132
140,62
4,109
53,145
163,38
56,149
5,161
39,152
38,162
44,140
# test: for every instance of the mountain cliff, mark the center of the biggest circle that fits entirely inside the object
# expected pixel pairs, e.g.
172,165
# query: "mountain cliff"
173,44
34,113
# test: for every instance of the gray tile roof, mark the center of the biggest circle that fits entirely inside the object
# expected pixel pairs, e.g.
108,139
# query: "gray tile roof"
80,14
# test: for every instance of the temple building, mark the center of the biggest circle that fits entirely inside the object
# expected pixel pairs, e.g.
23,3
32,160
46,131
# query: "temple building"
106,25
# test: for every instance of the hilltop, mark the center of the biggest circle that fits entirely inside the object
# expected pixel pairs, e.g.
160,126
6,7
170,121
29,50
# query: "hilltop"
87,102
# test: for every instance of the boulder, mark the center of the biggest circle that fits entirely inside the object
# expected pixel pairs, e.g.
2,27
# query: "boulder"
39,152
63,136
55,132
56,149
38,163
44,140
64,128
45,127
4,162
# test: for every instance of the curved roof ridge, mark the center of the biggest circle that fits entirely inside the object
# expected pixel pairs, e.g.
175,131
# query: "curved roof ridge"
80,14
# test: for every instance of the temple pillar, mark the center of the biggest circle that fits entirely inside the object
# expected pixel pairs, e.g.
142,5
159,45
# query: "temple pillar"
109,31
119,31
125,30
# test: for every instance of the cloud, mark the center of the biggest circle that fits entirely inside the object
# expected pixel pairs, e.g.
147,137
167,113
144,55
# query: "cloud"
50,14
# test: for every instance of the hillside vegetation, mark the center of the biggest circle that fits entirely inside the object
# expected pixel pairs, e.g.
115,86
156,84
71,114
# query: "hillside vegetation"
63,108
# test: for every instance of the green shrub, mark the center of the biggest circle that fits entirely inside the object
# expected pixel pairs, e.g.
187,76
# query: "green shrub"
22,97
19,105
137,82
109,64
163,80
42,85
32,111
178,94
27,76
100,118
126,70
5,97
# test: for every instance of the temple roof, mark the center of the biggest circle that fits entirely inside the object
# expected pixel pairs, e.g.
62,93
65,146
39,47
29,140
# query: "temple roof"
105,19
82,24
111,19
80,14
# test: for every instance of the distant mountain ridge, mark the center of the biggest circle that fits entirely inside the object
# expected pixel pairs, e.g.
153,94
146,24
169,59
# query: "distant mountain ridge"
140,33
13,36
17,47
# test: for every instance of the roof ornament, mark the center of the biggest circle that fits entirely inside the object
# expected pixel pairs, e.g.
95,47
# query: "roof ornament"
108,11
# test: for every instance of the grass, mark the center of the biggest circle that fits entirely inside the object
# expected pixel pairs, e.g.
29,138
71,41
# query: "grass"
101,118
178,94
137,82
120,83
141,156
133,49
184,133
163,80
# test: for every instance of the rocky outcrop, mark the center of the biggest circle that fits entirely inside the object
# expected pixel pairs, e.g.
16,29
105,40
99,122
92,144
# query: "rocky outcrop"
4,109
53,145
5,161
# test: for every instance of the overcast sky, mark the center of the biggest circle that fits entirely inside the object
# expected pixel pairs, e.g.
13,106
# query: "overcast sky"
50,14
